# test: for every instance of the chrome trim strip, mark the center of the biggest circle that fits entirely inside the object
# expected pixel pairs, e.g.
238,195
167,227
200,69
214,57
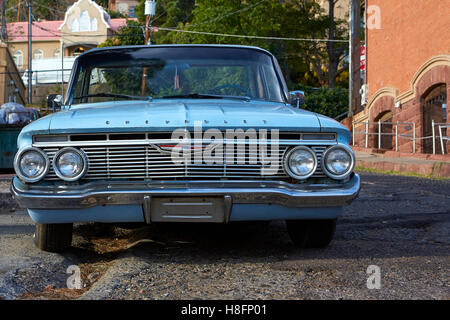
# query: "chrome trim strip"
67,137
146,142
147,209
248,192
228,204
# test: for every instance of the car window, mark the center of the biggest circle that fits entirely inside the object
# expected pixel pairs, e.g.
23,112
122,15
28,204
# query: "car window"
182,74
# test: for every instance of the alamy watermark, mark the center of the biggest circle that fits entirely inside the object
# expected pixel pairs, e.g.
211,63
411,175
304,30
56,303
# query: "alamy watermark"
373,17
74,280
230,147
374,279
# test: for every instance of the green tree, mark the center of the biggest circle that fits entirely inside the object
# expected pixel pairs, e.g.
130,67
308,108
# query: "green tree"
311,63
130,34
16,10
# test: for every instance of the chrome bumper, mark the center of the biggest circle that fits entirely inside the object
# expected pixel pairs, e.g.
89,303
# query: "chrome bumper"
100,193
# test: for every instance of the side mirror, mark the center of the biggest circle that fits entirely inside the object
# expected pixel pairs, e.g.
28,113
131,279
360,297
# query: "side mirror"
297,98
54,102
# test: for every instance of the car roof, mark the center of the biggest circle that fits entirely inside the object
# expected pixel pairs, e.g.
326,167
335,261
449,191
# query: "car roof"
96,50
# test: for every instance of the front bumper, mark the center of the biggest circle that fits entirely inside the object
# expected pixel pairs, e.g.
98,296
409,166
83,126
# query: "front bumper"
105,193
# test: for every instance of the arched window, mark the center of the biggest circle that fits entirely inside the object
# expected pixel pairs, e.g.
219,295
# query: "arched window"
57,53
74,25
18,58
78,51
38,54
93,24
386,139
85,21
434,104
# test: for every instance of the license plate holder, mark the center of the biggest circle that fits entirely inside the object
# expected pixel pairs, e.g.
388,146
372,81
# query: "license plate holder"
187,209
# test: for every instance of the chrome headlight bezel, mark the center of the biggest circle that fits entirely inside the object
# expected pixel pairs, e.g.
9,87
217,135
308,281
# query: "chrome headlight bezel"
73,150
289,170
349,170
18,168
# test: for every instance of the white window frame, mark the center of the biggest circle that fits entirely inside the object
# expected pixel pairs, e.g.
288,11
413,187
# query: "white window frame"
38,54
18,58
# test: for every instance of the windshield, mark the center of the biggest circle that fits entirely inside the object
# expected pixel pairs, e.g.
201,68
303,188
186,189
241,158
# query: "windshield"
175,72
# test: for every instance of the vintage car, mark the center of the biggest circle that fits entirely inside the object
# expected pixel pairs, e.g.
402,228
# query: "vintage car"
183,133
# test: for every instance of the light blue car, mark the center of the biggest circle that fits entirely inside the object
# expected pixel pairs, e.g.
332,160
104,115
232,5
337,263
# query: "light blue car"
183,133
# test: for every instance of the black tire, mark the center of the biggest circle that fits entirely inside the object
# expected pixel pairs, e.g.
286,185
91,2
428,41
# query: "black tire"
311,233
53,237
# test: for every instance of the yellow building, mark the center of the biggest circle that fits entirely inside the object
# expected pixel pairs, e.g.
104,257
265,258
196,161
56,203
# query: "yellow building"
85,26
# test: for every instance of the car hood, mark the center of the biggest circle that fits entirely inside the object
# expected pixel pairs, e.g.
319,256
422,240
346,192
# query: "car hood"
168,115
164,115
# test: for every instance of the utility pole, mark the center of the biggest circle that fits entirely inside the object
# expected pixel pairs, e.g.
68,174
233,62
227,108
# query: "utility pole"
30,80
62,71
354,52
4,20
150,10
18,11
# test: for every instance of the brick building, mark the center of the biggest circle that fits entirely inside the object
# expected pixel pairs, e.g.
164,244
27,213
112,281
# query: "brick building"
408,73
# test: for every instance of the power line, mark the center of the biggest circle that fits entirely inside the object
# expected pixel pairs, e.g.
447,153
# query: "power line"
247,36
51,9
170,30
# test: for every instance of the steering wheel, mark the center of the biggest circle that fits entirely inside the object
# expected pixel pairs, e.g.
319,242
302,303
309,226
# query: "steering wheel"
214,91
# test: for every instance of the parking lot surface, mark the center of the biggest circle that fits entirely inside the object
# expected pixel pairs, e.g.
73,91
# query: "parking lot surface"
401,225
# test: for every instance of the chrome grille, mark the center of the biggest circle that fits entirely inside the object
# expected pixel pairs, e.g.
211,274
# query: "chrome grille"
147,162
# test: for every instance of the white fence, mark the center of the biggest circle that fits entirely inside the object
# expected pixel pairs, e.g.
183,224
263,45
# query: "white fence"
407,126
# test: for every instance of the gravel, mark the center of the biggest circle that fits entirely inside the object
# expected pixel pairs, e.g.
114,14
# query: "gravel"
400,224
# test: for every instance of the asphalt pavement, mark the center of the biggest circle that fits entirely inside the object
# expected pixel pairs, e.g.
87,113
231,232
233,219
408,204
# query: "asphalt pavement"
399,227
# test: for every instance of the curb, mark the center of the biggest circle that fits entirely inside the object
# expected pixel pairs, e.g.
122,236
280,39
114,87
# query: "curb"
430,170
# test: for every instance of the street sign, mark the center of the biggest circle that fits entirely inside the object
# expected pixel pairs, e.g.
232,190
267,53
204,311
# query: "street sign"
363,58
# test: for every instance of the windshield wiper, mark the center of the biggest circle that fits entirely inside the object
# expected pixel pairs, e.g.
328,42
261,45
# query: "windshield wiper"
206,96
114,95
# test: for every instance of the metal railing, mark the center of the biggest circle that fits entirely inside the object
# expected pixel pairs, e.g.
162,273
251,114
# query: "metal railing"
442,138
408,126
379,133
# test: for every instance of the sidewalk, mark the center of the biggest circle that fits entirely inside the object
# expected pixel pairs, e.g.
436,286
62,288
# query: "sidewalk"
439,168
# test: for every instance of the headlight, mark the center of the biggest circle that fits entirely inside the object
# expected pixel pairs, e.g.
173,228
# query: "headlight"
338,161
31,164
300,162
70,164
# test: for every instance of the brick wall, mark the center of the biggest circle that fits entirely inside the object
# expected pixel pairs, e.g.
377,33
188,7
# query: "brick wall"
406,57
412,32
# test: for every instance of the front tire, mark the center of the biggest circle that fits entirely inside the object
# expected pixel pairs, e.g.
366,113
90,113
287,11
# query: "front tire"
53,237
311,233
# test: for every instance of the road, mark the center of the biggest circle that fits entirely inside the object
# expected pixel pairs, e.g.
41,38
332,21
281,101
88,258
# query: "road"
399,224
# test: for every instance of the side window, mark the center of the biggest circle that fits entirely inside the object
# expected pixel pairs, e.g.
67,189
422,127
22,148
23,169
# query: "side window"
78,87
271,81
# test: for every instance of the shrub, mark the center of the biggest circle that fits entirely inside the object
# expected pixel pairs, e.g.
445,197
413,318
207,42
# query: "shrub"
326,101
